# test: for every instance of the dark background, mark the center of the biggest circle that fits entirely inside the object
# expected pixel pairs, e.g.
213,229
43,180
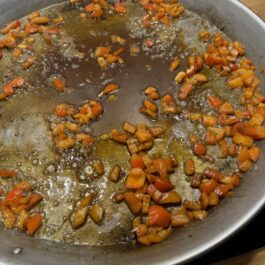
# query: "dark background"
251,237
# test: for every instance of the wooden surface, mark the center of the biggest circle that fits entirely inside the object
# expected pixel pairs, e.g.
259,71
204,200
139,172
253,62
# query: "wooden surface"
258,6
256,257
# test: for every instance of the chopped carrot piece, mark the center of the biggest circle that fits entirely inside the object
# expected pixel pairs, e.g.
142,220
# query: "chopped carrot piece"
135,179
222,189
208,186
245,166
244,140
189,167
33,223
163,185
185,90
14,196
150,105
134,204
254,153
174,64
59,84
9,218
4,173
137,162
101,51
199,149
120,8
12,25
213,173
158,216
97,109
171,197
110,88
243,154
143,135
119,137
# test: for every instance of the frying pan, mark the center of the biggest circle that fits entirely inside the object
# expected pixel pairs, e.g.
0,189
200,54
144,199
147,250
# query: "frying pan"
187,243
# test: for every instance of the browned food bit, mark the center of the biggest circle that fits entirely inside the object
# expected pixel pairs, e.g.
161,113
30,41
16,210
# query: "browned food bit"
136,179
96,212
146,203
185,90
152,92
112,87
154,236
12,25
118,136
143,135
161,11
213,199
192,205
118,197
59,84
115,173
28,62
129,128
169,105
156,131
174,64
199,149
33,223
204,201
98,167
200,214
17,82
40,20
180,77
79,217
118,39
196,180
171,197
85,139
22,219
8,217
134,204
150,109
179,217
189,167
6,173
204,35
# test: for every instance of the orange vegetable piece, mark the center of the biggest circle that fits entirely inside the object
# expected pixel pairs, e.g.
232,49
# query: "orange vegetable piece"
254,153
208,186
199,149
13,197
135,179
59,84
33,223
185,90
110,88
137,162
97,109
120,8
163,185
134,204
12,25
5,173
158,216
222,189
213,173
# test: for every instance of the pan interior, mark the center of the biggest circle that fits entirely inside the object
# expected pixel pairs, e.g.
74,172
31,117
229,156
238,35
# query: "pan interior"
26,140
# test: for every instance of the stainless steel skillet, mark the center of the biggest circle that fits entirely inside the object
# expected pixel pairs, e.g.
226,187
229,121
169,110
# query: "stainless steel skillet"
238,23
